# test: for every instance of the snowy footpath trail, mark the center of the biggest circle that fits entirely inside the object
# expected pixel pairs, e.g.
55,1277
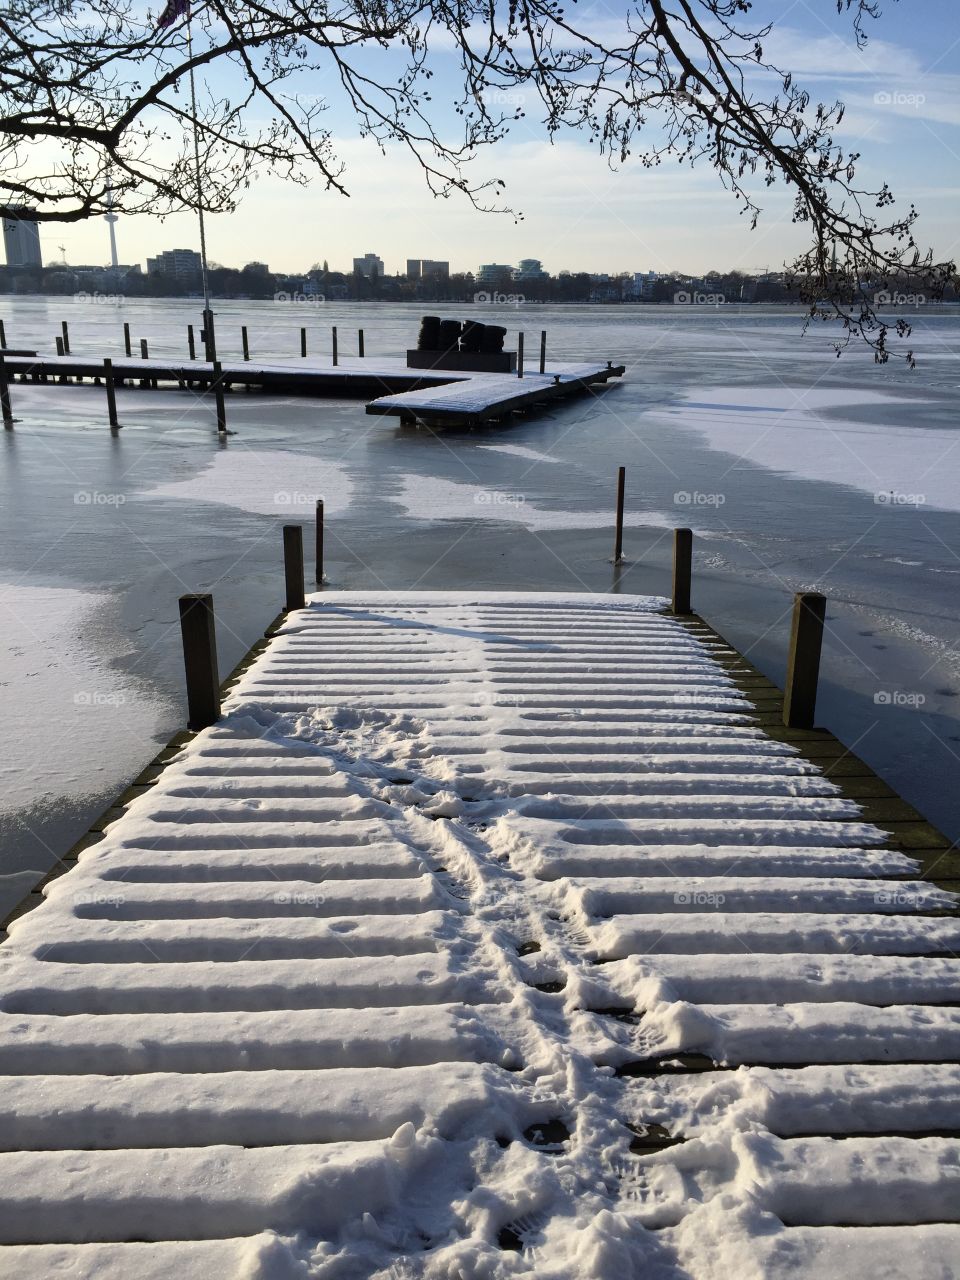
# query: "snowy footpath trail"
484,936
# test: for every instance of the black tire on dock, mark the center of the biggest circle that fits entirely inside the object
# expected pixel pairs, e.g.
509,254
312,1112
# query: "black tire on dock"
492,338
472,335
429,339
449,335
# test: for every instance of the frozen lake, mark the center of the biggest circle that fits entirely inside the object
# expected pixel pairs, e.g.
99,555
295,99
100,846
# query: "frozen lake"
796,470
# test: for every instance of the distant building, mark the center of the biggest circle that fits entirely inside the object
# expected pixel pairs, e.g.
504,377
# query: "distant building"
369,265
530,269
494,273
21,237
181,264
644,283
414,268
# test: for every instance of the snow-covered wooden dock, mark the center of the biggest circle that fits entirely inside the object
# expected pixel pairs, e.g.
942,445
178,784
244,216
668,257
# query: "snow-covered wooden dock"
485,936
437,398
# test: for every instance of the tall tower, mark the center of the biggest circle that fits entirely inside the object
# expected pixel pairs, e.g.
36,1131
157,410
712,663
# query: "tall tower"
110,219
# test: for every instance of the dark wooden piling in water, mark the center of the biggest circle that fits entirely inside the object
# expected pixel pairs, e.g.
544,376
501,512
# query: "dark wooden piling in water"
303,342
60,350
191,342
209,336
198,632
5,407
519,355
64,329
682,570
360,343
144,349
245,341
126,339
111,392
293,565
335,355
218,398
318,572
3,336
621,491
803,661
543,350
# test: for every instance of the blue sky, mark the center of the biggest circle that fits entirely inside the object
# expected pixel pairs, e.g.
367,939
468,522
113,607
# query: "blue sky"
903,115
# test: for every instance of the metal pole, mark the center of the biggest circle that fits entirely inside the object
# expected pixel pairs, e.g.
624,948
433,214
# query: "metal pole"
543,351
360,343
803,662
335,344
200,660
293,565
621,489
111,392
520,355
319,554
682,569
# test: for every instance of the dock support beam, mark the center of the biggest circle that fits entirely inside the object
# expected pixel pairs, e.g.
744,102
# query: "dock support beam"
111,392
126,340
803,662
209,336
245,341
144,349
191,342
335,354
303,343
543,351
60,350
360,343
218,397
682,570
200,660
5,397
3,336
319,548
293,565
519,355
621,489
66,337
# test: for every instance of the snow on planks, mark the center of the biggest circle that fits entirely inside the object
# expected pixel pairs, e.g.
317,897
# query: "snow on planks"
484,936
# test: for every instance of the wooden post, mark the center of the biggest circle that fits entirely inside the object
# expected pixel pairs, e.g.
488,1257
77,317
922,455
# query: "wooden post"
191,342
5,408
246,344
111,392
319,568
682,569
621,489
335,357
360,343
60,350
126,340
3,336
200,660
209,336
293,565
218,396
303,342
520,355
66,337
144,350
803,662
543,351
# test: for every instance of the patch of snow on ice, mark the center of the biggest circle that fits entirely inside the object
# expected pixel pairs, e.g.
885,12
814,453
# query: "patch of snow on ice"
267,482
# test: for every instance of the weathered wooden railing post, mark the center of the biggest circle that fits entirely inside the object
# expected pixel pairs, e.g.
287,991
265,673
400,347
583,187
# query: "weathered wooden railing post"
621,490
360,343
191,342
200,660
126,340
5,407
520,355
682,569
543,351
218,397
245,341
293,565
336,358
319,548
803,662
111,392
